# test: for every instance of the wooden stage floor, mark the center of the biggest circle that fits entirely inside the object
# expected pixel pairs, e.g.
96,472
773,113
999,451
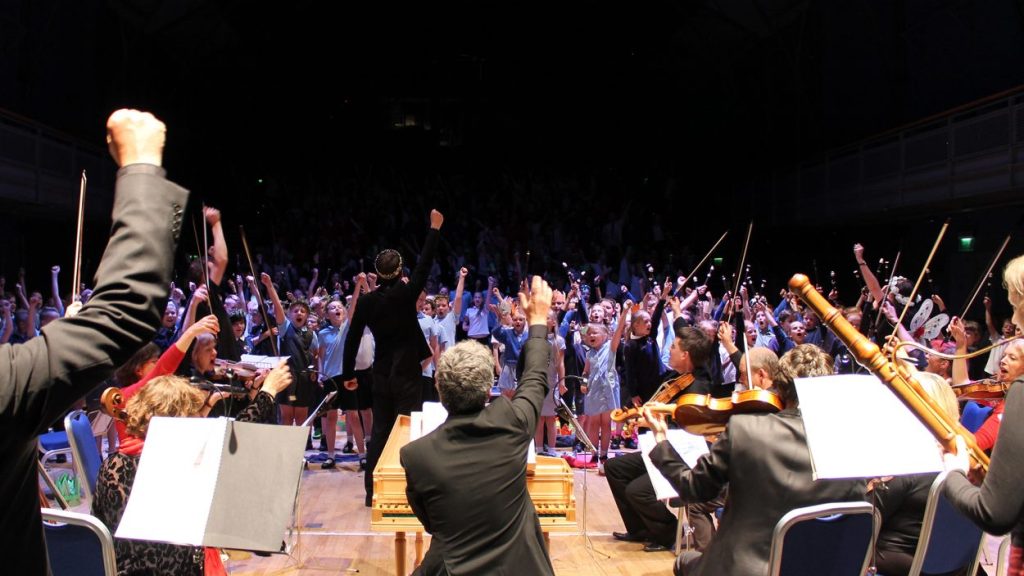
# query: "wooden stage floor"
336,536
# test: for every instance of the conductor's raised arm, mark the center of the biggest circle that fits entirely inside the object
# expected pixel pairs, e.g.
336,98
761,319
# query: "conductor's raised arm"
534,385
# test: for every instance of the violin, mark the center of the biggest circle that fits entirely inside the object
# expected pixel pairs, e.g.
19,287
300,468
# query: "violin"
706,415
112,404
988,389
664,395
228,370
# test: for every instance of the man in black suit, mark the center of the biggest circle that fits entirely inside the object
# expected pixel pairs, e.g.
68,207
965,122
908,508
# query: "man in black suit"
765,461
43,377
466,481
390,313
646,519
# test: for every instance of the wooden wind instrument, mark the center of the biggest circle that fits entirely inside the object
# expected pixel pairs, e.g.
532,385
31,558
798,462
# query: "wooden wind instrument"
895,375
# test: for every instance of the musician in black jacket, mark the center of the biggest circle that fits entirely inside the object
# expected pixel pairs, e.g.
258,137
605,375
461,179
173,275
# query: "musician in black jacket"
390,314
43,377
466,481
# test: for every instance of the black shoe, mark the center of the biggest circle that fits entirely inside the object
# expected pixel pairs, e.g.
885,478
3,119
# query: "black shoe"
655,547
348,449
616,442
323,446
362,464
328,464
630,444
628,537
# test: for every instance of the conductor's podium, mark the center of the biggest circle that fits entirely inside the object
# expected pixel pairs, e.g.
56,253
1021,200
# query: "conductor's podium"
550,484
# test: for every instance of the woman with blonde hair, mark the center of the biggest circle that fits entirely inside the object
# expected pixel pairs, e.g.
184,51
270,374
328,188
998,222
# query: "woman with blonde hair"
170,396
902,501
997,505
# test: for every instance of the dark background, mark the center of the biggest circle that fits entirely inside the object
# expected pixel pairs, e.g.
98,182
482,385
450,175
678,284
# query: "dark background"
675,105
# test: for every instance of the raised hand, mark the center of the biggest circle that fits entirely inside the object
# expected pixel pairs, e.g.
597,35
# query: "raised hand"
858,252
537,303
436,219
135,137
200,295
212,215
207,324
278,379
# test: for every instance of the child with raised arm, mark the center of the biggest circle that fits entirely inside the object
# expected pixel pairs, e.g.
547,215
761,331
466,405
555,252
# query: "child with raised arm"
602,388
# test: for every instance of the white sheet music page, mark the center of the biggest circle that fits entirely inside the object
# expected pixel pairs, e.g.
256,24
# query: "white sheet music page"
858,428
689,446
170,500
434,415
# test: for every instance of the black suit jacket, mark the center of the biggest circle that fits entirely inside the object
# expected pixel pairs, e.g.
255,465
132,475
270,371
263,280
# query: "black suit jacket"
765,461
390,313
42,378
466,482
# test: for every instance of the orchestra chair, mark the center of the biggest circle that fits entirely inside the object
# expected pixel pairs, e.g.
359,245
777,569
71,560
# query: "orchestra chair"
949,541
86,457
683,529
80,545
1003,557
974,415
834,539
52,444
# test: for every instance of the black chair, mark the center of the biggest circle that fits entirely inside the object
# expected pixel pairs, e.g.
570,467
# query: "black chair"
78,545
949,541
833,539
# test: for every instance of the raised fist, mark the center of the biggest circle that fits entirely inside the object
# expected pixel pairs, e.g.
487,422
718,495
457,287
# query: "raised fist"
135,137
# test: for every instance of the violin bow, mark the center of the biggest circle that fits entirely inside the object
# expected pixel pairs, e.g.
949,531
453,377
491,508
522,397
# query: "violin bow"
739,271
76,272
920,278
256,283
987,275
885,291
206,253
701,263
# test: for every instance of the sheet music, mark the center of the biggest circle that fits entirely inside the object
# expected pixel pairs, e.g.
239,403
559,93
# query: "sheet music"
434,415
858,428
182,457
689,446
215,482
262,361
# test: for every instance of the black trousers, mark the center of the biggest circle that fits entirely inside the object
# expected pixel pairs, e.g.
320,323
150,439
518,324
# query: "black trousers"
642,513
393,394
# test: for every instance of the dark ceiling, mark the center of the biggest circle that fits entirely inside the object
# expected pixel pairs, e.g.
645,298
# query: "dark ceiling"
690,86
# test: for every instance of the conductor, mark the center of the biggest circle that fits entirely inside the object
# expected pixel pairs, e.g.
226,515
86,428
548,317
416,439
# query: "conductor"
390,314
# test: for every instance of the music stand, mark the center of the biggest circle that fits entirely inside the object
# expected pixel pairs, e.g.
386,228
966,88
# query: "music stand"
562,410
321,408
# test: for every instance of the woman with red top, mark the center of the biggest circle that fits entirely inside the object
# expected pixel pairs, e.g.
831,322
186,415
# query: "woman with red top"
168,362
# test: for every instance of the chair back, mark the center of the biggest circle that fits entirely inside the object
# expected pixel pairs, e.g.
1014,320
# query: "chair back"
949,541
832,539
974,415
80,546
84,453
